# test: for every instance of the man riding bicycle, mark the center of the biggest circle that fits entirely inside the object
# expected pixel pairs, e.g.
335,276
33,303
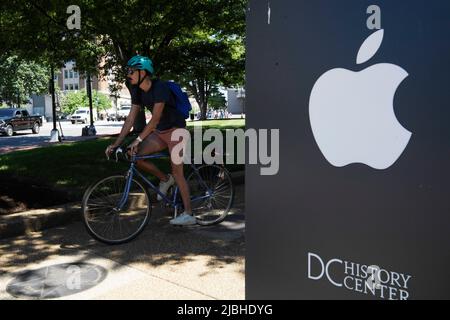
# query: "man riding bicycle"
154,94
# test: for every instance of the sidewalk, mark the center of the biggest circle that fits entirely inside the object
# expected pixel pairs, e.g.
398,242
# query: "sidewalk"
164,262
37,220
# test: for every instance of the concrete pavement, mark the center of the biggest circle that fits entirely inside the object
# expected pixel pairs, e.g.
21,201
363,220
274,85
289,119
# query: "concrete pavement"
25,140
164,262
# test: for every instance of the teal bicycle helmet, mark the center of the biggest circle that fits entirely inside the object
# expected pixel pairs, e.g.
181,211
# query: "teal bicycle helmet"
141,63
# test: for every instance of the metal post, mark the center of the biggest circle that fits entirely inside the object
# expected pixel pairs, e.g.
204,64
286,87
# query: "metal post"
54,135
52,88
91,130
89,93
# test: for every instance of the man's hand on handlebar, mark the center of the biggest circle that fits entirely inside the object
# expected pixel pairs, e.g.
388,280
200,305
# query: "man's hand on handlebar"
109,150
133,147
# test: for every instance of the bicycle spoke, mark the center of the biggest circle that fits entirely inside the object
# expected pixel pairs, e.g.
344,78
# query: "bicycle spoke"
222,203
211,208
92,207
223,184
221,190
100,216
105,196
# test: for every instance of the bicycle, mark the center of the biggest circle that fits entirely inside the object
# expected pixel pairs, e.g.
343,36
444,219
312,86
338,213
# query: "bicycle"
116,209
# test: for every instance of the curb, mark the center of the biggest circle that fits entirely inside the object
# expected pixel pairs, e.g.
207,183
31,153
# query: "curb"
23,223
37,220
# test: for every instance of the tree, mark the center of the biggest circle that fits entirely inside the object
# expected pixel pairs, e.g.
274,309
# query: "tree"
101,101
19,79
209,61
191,41
217,100
198,43
78,99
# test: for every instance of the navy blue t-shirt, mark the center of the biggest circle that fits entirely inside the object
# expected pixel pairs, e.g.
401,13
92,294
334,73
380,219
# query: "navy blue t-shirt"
159,92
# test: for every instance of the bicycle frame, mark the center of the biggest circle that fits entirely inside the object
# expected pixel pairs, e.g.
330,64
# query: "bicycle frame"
171,202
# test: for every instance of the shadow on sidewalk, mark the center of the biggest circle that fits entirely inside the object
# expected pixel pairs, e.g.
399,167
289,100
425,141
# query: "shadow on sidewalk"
159,245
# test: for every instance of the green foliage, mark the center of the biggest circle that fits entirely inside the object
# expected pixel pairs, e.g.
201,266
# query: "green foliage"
101,101
217,100
207,61
78,99
86,159
19,79
199,43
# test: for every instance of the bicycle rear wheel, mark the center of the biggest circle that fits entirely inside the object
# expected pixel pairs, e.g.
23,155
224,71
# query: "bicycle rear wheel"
212,194
103,218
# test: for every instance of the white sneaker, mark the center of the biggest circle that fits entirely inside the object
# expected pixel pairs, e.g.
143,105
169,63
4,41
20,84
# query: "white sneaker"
184,219
165,185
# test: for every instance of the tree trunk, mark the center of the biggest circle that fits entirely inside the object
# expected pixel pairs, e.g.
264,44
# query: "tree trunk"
201,91
202,101
203,110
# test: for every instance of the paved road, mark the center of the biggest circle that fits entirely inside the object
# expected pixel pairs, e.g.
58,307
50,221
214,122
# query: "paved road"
164,262
23,140
71,132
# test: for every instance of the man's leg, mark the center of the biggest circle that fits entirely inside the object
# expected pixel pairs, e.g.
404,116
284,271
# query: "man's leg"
151,144
178,174
178,169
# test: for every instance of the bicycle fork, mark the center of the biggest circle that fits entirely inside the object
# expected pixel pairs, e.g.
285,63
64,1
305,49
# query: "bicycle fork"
123,200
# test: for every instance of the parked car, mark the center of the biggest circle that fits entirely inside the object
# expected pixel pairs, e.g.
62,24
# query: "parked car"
123,113
82,115
12,120
63,116
111,117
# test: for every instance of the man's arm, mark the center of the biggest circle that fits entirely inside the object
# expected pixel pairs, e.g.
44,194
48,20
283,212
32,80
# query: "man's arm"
156,116
129,122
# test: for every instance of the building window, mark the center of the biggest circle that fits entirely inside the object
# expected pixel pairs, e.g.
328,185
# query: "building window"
75,86
70,86
71,74
66,87
66,74
75,74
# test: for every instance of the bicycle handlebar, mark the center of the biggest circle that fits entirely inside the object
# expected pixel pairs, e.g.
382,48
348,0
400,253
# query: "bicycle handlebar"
119,151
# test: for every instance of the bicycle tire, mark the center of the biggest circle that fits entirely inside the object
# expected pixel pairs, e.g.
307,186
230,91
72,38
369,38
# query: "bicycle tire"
139,194
218,205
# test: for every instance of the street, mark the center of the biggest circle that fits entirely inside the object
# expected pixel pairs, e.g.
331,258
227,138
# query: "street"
72,132
164,262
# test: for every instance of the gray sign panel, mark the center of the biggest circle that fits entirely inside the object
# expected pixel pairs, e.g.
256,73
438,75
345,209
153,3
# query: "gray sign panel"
360,91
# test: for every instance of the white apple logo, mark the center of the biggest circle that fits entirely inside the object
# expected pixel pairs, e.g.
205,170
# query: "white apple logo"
352,113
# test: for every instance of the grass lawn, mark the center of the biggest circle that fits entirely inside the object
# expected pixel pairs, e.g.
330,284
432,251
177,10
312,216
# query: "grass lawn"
219,124
72,167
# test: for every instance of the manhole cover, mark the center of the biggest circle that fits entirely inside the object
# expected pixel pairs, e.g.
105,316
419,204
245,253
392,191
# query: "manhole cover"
56,281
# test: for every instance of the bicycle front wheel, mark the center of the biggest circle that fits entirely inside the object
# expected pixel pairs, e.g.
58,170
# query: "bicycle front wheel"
112,218
212,194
